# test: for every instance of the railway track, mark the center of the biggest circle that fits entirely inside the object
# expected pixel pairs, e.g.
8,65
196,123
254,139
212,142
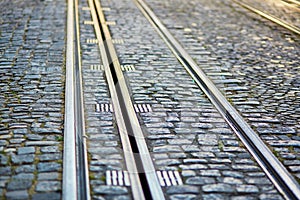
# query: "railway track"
145,181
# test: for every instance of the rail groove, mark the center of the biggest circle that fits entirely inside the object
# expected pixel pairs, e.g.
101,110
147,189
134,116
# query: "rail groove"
277,173
142,174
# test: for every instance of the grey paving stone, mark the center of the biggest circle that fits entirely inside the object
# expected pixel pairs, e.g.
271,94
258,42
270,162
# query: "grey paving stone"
203,155
258,181
214,197
270,196
25,169
3,159
200,180
19,184
50,149
26,150
167,148
195,160
40,143
104,150
179,141
21,194
50,157
188,173
48,176
183,189
7,170
247,188
247,168
220,187
48,195
110,190
48,167
183,197
48,186
28,176
20,159
167,162
210,173
193,167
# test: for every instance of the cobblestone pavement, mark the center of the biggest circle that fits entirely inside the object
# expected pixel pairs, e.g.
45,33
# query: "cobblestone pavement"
258,63
32,44
184,131
254,62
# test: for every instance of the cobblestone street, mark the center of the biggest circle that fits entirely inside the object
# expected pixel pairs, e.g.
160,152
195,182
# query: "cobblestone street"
32,87
195,151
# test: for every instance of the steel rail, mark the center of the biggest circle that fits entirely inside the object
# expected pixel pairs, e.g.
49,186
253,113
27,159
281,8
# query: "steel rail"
142,174
293,2
278,174
270,17
75,167
69,186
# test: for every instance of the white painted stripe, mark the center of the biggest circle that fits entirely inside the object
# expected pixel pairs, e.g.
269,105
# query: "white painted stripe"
108,178
178,178
149,108
102,108
173,180
160,178
126,179
166,178
136,108
114,177
120,178
140,108
111,108
145,108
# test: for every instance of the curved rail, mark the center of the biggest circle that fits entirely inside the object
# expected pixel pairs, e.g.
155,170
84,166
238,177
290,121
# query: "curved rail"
277,173
270,17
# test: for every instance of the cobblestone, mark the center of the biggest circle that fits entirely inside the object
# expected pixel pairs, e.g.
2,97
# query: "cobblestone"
31,33
48,195
19,184
21,194
48,167
111,190
259,80
48,186
255,68
184,189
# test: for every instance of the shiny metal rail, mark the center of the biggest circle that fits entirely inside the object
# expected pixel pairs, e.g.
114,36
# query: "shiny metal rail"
142,174
295,2
270,17
75,168
277,173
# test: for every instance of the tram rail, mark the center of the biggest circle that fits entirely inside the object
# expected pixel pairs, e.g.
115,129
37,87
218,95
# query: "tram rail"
75,171
270,17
